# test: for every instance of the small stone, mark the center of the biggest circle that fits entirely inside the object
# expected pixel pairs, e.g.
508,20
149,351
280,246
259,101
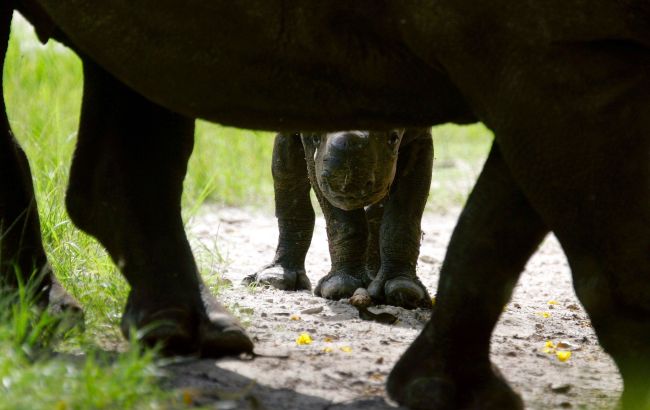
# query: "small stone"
560,388
380,360
564,345
566,405
282,314
361,298
312,311
427,259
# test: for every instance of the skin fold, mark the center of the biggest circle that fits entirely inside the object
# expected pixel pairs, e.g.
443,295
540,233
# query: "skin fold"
563,84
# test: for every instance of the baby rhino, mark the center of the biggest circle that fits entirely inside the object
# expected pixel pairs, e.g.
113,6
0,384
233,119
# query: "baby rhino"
372,187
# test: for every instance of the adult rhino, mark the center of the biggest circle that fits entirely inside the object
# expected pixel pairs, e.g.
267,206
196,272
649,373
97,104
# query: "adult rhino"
562,83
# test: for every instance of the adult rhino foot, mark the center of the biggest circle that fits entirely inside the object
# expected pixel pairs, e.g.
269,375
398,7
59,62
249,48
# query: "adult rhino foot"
204,328
338,285
438,393
280,278
419,382
404,291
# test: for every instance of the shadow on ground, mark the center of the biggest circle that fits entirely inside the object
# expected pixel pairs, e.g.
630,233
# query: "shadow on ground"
205,383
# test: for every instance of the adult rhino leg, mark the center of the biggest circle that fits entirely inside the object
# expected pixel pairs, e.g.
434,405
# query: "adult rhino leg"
610,262
125,189
22,257
396,282
595,195
347,236
295,216
448,365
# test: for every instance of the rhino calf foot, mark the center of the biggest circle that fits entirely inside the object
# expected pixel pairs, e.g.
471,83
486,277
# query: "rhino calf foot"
280,278
204,329
338,285
403,291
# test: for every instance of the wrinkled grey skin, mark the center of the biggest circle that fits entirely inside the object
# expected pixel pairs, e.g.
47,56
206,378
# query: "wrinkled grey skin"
353,169
562,83
372,187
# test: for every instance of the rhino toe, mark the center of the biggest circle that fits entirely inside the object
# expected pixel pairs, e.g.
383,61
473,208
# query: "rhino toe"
403,291
338,285
281,278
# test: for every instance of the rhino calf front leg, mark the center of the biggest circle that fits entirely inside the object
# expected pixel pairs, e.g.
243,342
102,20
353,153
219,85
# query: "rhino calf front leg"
396,282
295,216
347,236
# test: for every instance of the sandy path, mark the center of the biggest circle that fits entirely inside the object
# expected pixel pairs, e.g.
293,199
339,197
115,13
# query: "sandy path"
347,363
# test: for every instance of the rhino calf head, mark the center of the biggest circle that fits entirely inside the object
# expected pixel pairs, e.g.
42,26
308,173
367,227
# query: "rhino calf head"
355,169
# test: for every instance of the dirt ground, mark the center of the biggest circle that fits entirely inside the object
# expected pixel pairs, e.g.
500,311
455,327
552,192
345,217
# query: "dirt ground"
347,363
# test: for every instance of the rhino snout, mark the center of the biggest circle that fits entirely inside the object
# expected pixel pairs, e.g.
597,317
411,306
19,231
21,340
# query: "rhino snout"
348,191
352,169
346,182
347,141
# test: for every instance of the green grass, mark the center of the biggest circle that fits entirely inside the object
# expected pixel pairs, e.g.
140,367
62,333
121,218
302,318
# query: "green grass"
42,88
33,376
459,154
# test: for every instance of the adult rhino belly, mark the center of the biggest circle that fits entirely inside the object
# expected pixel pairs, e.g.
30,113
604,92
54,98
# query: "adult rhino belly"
241,64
